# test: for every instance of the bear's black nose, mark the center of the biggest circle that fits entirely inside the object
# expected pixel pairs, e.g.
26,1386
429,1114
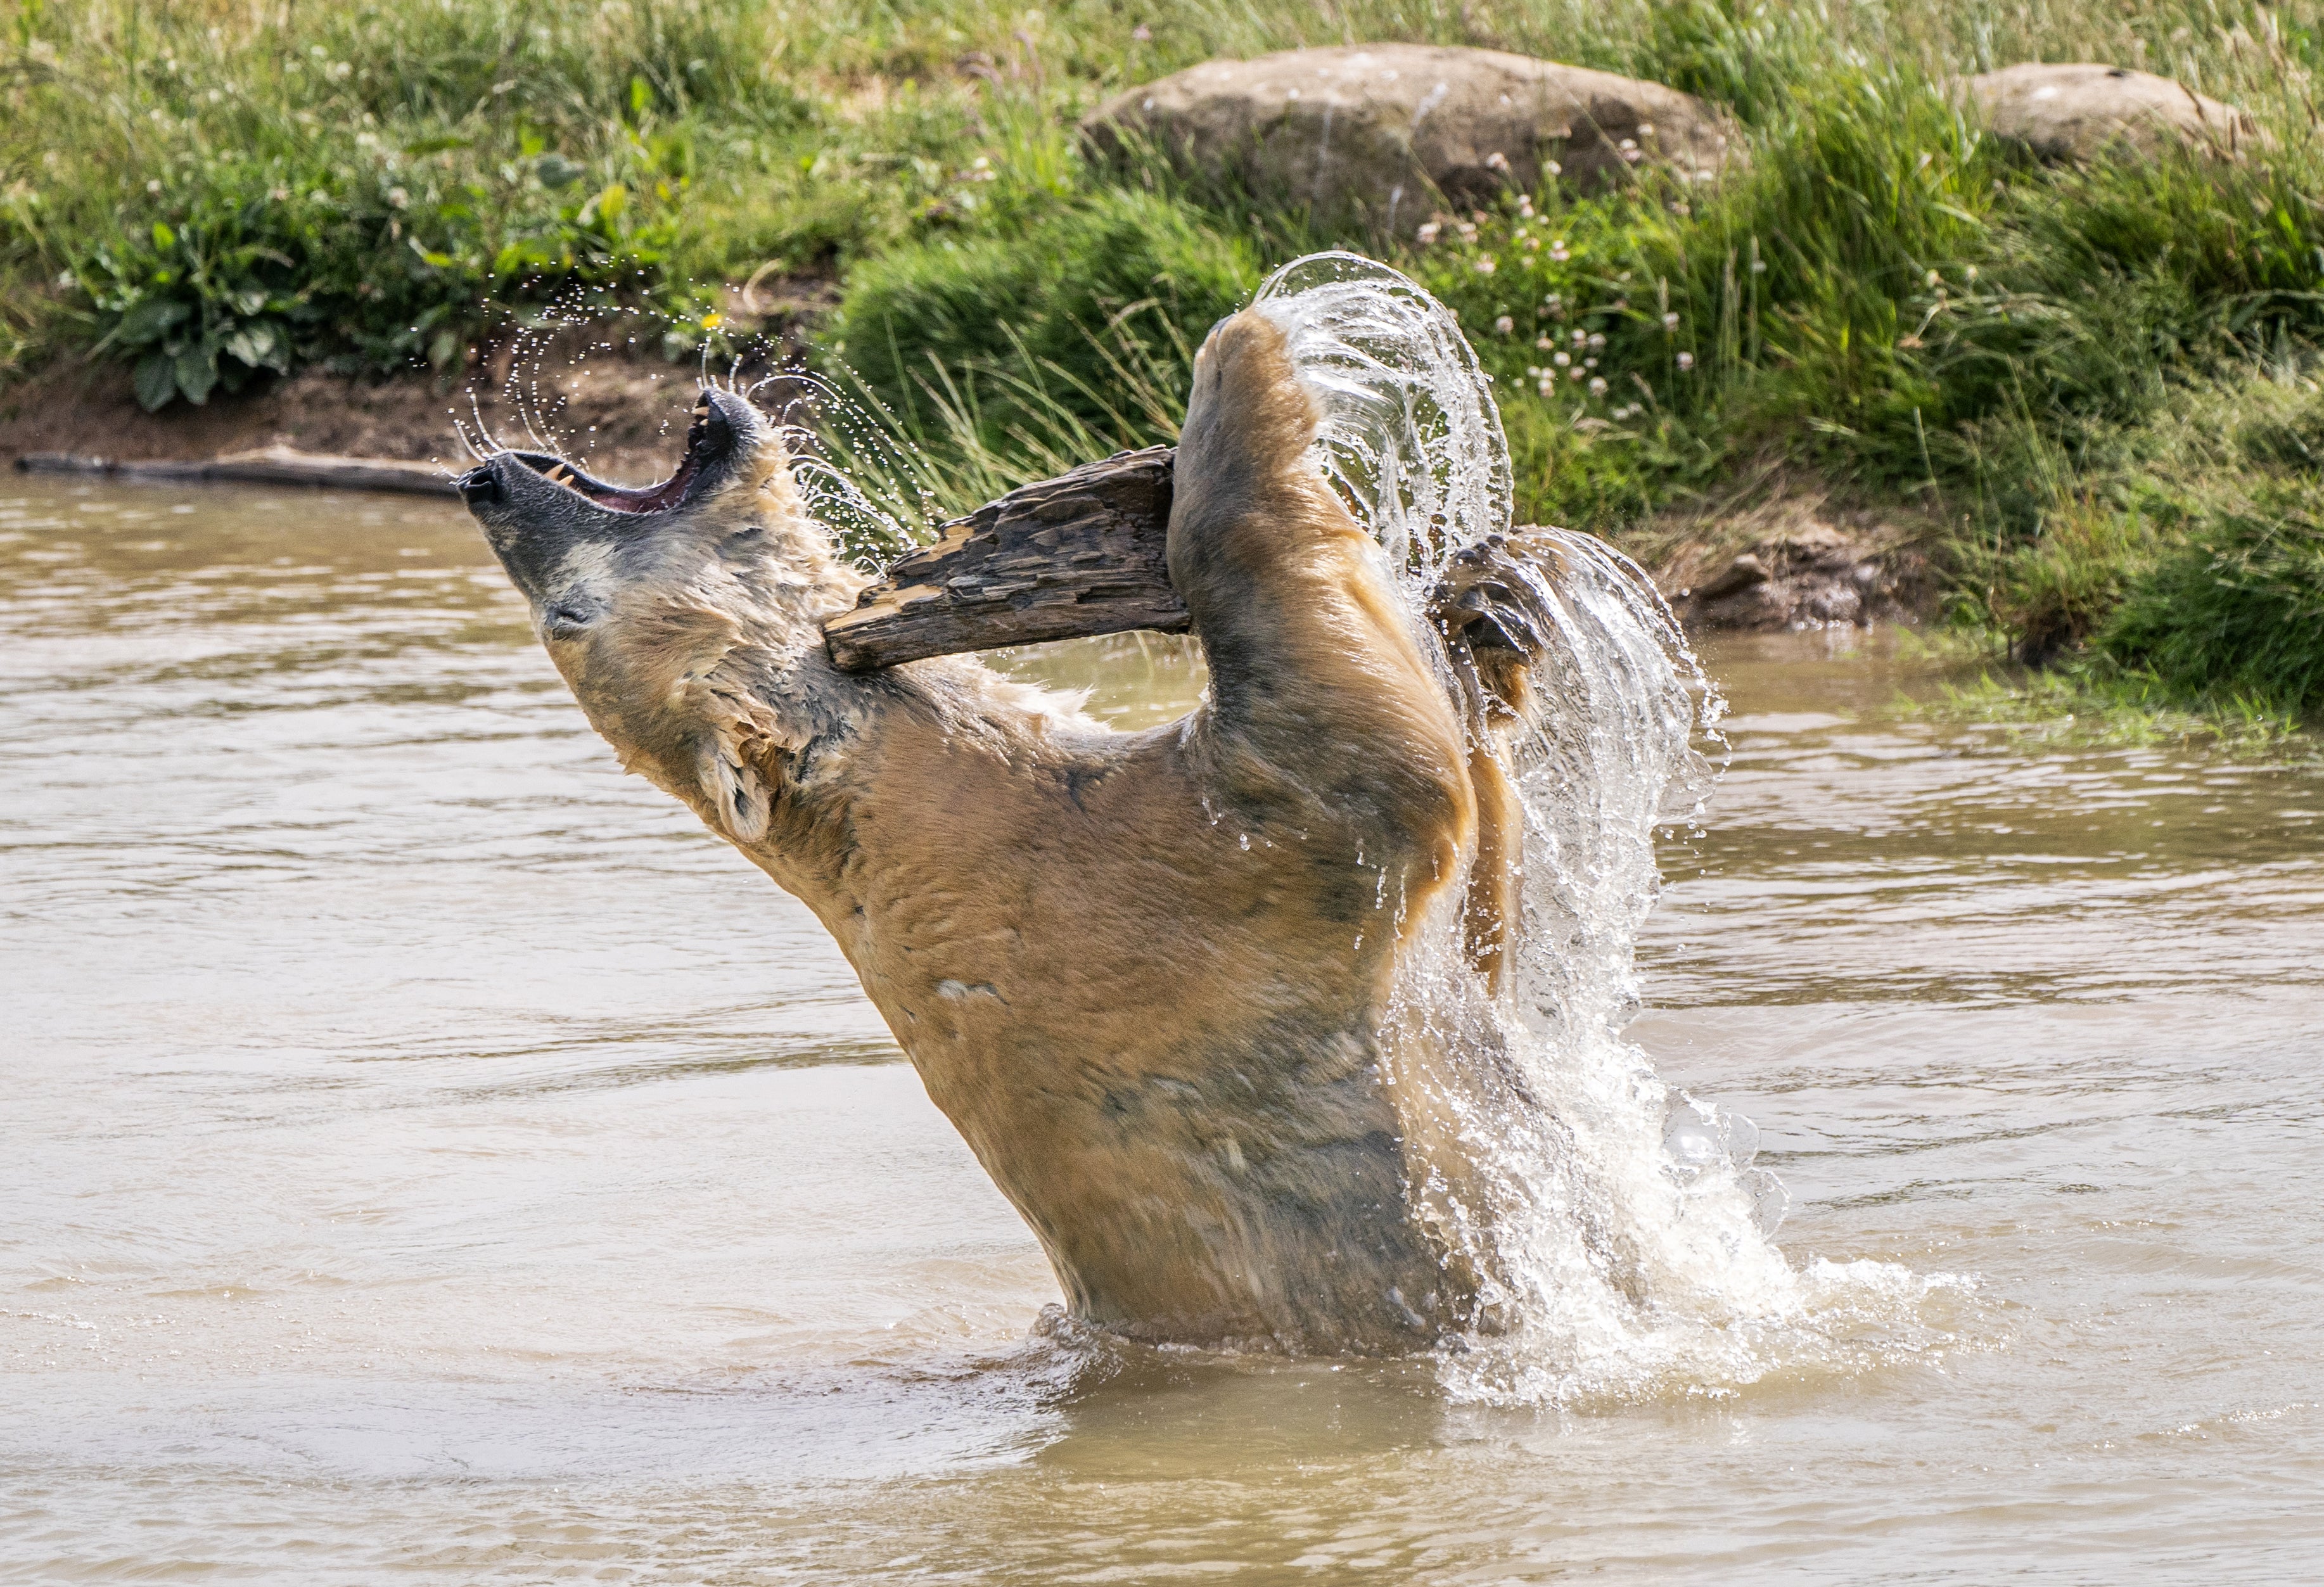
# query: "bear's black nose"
479,487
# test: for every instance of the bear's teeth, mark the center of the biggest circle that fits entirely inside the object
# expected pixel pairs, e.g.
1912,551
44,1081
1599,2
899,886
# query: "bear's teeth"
560,475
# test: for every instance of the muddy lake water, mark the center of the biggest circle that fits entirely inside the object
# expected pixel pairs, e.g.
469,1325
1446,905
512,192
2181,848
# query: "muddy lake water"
426,1155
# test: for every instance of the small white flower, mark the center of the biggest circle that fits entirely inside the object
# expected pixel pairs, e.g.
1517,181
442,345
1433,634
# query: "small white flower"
1496,160
1547,386
1525,204
1427,232
1935,278
1686,361
1670,322
1582,338
1487,265
1596,387
1590,363
1758,267
1533,245
1597,340
68,282
1504,324
1544,344
1645,129
1554,169
1630,143
399,197
154,187
1563,359
1971,274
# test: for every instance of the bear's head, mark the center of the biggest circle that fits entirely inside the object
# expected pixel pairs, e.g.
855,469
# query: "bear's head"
687,616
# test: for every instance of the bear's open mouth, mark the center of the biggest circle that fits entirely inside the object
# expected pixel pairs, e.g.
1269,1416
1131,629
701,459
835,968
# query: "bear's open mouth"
477,487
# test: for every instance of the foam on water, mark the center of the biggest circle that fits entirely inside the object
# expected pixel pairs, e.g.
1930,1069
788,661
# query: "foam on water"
1622,1238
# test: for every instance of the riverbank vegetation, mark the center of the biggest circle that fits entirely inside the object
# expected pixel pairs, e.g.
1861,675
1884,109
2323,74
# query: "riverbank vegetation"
2094,390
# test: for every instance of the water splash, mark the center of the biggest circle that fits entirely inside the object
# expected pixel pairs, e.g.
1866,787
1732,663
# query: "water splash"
1411,434
1620,1234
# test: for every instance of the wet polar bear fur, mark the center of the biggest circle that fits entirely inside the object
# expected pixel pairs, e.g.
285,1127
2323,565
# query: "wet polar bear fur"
1148,976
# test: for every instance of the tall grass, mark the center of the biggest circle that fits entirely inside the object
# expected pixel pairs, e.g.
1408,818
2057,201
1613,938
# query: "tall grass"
217,188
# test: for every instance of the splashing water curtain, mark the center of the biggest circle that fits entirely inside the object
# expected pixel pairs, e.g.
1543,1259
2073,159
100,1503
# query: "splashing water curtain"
1622,1235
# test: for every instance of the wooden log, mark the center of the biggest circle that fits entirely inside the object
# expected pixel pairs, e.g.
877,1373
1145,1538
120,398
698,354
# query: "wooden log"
1082,554
271,466
1086,553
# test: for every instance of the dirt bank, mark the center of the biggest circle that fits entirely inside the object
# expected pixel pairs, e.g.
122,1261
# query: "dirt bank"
601,392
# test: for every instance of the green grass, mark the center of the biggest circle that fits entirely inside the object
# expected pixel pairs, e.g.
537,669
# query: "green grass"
2095,705
2097,385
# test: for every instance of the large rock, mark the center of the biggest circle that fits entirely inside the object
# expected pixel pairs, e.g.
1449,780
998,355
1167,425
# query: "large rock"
2082,111
1380,130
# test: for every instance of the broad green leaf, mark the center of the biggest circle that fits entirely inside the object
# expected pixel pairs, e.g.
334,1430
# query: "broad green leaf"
163,237
148,321
156,381
641,95
197,373
612,201
261,347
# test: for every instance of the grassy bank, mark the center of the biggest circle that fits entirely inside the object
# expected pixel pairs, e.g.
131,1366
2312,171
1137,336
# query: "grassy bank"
2096,388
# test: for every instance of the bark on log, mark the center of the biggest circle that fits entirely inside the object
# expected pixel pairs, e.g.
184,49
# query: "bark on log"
273,465
1086,553
1082,554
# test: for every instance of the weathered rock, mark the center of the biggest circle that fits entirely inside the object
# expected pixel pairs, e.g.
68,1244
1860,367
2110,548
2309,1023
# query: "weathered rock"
1379,132
2082,111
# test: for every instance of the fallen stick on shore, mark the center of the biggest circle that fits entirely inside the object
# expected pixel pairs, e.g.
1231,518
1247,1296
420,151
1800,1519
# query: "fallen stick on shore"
273,465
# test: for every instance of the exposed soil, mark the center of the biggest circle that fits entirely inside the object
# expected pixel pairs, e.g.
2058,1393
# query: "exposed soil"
1792,554
603,394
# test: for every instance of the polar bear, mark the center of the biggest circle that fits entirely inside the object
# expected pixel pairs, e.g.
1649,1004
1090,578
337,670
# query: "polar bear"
1148,976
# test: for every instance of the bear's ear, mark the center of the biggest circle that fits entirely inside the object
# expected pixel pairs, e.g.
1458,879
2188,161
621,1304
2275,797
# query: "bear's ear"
734,788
